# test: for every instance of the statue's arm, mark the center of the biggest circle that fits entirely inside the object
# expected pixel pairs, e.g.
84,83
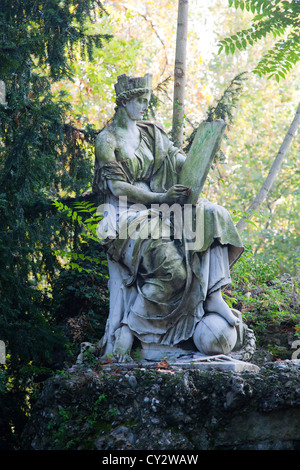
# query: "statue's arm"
105,148
141,196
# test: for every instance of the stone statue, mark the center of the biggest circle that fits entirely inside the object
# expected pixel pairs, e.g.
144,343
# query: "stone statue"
165,292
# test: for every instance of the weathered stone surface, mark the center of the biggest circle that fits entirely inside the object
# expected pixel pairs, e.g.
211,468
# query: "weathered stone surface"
168,408
205,145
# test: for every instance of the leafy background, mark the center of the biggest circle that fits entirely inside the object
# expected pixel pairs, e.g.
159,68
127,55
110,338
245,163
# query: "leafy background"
59,60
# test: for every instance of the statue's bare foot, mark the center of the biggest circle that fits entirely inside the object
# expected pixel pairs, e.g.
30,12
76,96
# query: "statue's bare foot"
123,344
216,304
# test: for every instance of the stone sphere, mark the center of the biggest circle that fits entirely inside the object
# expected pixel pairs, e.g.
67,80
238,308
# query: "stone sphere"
214,335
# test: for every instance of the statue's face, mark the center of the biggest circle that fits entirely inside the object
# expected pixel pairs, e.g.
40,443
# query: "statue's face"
137,106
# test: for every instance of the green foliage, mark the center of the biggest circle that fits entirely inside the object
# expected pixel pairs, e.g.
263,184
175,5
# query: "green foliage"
228,101
224,108
89,231
266,298
78,426
80,303
46,34
277,17
42,158
80,297
53,280
263,117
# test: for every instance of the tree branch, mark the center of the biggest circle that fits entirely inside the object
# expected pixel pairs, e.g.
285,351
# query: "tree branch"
180,72
274,170
150,22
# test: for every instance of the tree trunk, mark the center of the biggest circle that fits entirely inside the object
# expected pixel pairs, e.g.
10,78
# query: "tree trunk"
180,72
274,170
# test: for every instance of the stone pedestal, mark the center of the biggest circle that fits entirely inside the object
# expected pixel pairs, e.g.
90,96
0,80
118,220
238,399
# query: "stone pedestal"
211,363
161,407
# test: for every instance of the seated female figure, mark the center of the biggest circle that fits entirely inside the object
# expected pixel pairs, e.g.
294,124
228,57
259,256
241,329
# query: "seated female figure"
163,292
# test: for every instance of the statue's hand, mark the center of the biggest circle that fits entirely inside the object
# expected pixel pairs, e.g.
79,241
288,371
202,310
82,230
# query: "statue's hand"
177,193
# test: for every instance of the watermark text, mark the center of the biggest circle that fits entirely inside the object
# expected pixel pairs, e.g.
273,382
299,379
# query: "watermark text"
137,221
296,346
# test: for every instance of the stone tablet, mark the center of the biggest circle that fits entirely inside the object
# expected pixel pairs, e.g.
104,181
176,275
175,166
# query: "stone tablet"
205,145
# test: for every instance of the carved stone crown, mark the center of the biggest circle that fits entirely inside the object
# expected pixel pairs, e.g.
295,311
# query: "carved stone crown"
128,87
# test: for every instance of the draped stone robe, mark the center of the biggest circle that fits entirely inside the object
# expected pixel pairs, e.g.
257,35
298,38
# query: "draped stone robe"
158,284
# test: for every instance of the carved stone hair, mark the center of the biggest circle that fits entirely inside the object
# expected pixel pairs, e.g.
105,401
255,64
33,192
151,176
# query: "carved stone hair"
129,87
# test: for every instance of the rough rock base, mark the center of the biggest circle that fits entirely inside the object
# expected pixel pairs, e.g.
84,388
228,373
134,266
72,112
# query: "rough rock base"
168,408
